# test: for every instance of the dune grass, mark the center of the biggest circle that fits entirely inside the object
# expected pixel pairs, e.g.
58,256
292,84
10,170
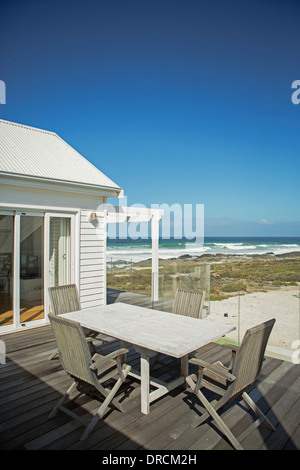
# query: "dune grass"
229,275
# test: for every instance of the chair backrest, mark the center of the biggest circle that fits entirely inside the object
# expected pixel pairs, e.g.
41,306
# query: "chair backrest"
249,357
189,302
73,348
64,299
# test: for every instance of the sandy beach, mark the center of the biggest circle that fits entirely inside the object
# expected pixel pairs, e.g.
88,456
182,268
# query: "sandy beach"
244,290
281,304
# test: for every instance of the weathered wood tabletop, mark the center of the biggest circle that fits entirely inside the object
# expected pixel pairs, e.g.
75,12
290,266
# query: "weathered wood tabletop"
163,332
151,331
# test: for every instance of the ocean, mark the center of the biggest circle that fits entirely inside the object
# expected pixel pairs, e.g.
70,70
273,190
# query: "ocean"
139,250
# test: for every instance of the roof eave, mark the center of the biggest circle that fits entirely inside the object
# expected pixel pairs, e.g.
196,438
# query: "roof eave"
63,185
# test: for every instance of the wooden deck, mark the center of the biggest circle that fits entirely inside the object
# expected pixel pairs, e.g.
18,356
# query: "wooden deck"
31,384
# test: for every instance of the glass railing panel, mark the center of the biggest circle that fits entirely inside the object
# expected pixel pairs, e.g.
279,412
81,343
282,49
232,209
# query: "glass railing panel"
240,292
281,302
127,276
174,274
247,292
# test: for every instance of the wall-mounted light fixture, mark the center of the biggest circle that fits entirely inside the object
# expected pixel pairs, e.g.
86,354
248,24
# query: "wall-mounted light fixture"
92,216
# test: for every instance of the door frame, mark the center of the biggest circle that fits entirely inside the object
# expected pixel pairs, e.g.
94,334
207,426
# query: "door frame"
11,213
17,262
46,213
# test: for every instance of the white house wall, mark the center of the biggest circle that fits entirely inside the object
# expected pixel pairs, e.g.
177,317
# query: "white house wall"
47,197
89,238
92,281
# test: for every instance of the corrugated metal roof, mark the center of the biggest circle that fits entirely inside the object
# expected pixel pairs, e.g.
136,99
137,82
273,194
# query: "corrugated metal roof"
35,152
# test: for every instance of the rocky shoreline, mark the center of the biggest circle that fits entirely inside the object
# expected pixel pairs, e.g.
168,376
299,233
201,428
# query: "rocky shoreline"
219,256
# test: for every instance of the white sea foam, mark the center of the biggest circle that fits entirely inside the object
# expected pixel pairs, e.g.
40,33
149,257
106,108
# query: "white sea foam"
127,252
227,244
135,252
235,246
282,251
291,245
174,253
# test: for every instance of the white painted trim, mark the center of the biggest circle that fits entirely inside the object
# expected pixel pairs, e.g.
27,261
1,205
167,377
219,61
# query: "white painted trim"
59,185
37,208
28,214
77,250
74,253
27,325
73,247
155,250
105,260
46,264
16,271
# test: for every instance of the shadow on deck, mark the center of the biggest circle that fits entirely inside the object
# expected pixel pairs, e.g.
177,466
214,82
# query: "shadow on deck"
31,384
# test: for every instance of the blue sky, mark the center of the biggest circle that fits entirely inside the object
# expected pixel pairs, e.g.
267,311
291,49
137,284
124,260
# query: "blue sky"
176,101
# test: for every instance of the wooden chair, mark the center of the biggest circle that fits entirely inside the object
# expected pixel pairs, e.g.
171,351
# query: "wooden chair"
65,299
189,303
230,382
89,373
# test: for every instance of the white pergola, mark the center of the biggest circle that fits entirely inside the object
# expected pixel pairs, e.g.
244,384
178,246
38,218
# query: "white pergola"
121,214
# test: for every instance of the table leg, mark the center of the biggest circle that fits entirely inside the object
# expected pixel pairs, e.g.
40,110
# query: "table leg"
184,369
123,344
145,382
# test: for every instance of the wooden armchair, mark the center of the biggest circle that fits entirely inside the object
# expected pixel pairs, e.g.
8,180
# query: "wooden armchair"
89,373
230,382
189,302
65,299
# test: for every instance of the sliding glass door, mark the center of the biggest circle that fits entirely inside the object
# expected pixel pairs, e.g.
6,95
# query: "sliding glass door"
60,251
31,268
6,269
36,252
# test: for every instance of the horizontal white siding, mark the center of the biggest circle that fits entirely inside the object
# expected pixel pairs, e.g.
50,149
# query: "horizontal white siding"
92,259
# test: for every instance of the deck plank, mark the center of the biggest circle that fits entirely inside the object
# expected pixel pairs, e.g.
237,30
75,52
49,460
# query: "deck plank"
31,384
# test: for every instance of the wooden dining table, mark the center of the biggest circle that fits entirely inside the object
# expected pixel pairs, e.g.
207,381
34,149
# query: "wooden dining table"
150,332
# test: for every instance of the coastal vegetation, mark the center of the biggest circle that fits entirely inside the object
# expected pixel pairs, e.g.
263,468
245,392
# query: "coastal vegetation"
224,275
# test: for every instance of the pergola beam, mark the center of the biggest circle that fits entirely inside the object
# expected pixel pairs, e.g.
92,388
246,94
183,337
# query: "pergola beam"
155,247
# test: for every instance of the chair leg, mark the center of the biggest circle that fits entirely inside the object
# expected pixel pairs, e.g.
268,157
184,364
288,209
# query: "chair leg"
213,413
199,420
53,355
98,415
225,430
63,399
90,426
258,411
